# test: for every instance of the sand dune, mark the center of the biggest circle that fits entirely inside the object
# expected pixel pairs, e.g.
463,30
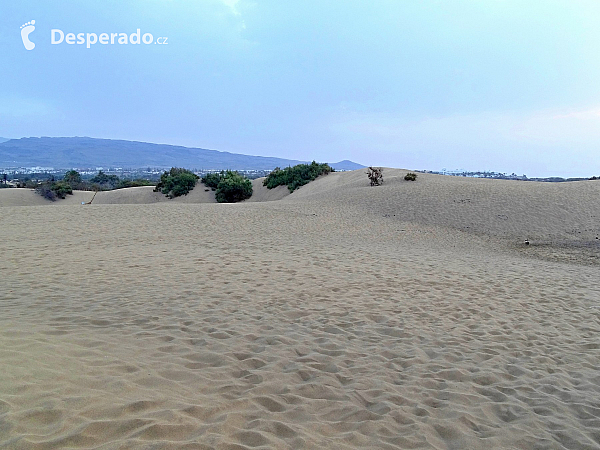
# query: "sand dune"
341,316
135,196
146,195
262,194
28,197
130,196
506,208
540,212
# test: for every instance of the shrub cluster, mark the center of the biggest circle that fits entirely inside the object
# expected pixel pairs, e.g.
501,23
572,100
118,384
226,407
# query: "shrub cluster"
212,180
230,186
176,182
104,182
410,176
134,183
52,190
296,176
72,180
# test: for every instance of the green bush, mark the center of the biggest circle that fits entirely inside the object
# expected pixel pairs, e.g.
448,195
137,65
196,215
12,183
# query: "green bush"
176,182
62,189
134,183
410,176
296,176
233,187
102,182
105,181
212,180
54,189
72,177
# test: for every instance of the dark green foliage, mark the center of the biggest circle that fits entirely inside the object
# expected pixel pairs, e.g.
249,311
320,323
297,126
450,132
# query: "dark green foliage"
52,190
375,175
176,182
102,182
74,180
212,180
61,189
233,187
296,176
134,183
27,184
410,176
105,181
72,177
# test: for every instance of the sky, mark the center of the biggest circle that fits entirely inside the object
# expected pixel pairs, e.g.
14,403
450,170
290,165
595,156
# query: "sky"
501,85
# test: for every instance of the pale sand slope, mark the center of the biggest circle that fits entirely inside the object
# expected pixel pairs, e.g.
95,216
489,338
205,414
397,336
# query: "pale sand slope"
263,194
146,195
300,323
135,196
28,197
505,208
129,196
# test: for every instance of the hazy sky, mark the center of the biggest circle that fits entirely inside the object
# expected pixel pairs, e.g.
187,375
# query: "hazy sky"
482,84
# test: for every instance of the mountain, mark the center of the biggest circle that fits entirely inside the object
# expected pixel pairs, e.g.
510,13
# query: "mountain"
3,139
67,152
346,165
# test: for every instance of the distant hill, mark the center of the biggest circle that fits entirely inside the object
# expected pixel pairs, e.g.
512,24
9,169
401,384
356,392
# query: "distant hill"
66,152
346,165
3,139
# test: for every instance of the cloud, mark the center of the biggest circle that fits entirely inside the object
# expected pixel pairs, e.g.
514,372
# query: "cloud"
233,8
232,5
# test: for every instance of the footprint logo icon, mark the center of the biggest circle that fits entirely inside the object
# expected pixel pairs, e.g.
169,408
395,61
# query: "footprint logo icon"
26,30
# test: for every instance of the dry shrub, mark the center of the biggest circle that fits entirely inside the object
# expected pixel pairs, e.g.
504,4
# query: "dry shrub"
375,175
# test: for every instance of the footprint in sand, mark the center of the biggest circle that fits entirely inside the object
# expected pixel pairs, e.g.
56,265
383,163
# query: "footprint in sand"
26,30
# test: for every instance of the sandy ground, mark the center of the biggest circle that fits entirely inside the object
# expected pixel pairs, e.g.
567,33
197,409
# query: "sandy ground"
409,315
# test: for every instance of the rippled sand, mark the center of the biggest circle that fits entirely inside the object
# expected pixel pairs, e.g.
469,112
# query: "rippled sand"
342,316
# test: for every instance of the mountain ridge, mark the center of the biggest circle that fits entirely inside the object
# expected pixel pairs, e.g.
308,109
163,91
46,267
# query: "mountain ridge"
67,152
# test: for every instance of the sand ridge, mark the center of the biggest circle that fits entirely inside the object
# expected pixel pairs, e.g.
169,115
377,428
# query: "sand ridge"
522,210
